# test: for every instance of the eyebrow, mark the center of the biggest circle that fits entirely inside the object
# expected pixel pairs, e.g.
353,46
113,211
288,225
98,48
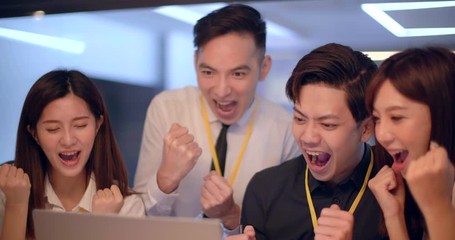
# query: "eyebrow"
321,118
241,67
392,108
75,119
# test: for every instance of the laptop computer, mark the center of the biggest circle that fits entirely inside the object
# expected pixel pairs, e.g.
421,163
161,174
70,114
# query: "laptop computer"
52,225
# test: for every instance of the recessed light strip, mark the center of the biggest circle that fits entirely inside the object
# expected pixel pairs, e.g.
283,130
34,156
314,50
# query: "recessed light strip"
377,12
62,44
381,55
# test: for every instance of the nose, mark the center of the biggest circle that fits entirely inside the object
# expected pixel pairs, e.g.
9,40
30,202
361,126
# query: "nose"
68,138
223,87
309,135
383,133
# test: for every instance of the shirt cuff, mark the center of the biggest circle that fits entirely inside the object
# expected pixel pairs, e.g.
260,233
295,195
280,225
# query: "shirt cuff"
157,202
226,232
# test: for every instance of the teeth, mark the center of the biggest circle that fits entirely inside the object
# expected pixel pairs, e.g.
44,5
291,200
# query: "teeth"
313,153
223,103
313,158
69,154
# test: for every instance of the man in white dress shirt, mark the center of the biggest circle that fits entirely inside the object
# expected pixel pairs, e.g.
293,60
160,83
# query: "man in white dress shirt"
181,126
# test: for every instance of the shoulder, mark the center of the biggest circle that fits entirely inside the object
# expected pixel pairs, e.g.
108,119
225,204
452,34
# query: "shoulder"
274,117
133,206
181,93
278,175
274,109
175,99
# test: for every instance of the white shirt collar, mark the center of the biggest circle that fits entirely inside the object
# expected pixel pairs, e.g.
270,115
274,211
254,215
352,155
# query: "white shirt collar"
85,204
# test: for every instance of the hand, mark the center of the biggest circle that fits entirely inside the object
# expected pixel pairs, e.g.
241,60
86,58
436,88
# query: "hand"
15,184
107,200
431,173
217,200
248,234
180,154
334,223
388,189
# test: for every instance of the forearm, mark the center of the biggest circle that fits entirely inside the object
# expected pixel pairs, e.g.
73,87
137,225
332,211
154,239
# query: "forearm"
15,222
396,227
441,222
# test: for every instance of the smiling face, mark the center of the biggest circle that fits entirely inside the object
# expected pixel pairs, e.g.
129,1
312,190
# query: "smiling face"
229,68
66,132
329,137
403,126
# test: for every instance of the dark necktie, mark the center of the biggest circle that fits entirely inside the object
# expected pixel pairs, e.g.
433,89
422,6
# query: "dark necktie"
221,148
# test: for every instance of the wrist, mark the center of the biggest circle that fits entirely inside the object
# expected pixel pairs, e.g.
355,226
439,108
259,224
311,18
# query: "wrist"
17,206
165,183
435,211
232,219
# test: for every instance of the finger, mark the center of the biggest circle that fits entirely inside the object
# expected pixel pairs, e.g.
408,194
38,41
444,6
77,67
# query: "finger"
249,230
177,131
108,193
334,212
213,172
433,145
4,169
217,186
100,193
11,172
19,173
174,132
335,207
208,190
27,179
116,192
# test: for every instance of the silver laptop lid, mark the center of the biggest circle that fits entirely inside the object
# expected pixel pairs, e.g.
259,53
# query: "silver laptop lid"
52,225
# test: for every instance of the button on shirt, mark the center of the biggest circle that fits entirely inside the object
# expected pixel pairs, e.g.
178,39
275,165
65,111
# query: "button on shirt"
271,143
276,204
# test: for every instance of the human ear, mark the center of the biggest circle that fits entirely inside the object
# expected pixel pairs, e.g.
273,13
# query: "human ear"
33,133
99,122
266,65
366,128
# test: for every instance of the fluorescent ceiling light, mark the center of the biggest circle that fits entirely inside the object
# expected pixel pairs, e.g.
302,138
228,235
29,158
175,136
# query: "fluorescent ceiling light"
62,44
381,55
378,12
191,15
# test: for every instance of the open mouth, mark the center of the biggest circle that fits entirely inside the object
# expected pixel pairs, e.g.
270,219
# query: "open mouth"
400,157
69,156
319,159
226,107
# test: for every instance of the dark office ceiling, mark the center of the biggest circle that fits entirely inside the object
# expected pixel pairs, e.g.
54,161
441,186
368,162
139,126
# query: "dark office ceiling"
315,22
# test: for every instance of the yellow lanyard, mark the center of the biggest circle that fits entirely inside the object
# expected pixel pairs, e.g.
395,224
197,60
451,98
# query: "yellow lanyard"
354,204
212,146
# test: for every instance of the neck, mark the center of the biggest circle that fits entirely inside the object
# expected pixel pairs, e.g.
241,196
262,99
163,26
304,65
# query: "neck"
358,158
68,189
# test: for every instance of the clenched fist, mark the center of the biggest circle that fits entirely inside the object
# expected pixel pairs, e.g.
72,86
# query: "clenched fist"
180,154
107,200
